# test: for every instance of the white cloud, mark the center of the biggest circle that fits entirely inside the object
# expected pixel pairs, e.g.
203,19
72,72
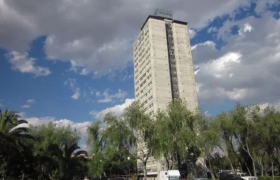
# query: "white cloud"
84,71
262,5
206,43
77,94
276,105
71,82
25,106
25,64
117,110
223,65
29,103
246,29
80,127
246,69
237,94
206,113
110,97
105,100
21,114
36,121
104,43
192,33
196,69
212,29
97,93
76,90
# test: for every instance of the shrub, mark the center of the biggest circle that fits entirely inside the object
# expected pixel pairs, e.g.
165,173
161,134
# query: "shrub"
268,178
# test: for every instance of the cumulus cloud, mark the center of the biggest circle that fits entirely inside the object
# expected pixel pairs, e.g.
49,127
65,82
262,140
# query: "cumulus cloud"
116,110
221,67
276,105
79,126
246,69
246,28
110,97
104,45
95,36
262,6
23,63
192,33
204,52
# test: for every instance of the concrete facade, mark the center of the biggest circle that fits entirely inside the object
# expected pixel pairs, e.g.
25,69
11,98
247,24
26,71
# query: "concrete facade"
163,69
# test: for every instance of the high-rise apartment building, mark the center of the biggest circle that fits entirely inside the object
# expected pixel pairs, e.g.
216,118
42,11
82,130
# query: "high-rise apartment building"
163,66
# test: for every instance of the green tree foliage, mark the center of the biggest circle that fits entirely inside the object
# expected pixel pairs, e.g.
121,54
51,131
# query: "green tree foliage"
226,129
208,140
48,134
57,152
246,137
14,151
249,137
142,127
269,128
110,146
96,142
175,130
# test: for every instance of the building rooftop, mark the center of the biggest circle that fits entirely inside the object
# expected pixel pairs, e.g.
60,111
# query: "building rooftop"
162,18
163,13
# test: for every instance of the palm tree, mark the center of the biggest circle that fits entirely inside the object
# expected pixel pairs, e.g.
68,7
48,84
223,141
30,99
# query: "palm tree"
14,151
71,160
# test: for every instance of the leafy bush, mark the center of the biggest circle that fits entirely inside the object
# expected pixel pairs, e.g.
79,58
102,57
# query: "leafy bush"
268,178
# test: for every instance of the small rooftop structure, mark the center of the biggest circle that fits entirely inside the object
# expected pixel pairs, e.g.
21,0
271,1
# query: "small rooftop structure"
163,13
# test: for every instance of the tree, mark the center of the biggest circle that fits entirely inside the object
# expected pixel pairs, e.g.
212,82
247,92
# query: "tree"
142,128
111,145
96,142
174,131
120,138
14,136
245,131
56,150
208,140
121,141
224,124
271,120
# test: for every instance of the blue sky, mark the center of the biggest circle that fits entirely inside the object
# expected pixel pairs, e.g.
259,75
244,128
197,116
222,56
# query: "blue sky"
70,62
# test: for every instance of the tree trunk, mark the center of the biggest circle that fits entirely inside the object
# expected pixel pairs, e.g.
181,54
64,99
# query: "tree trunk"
178,160
272,169
167,162
211,172
265,169
145,171
230,163
261,169
254,168
245,165
253,161
248,169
